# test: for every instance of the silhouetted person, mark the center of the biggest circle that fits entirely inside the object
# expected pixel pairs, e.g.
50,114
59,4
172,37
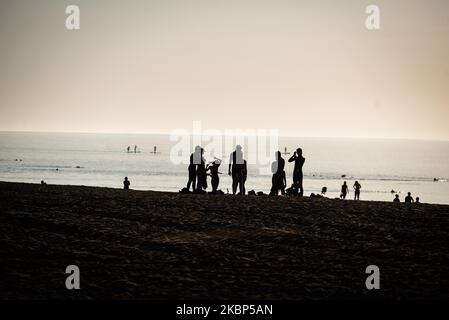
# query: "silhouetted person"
195,160
128,148
396,198
344,190
417,200
357,187
126,184
201,174
409,198
43,183
297,171
320,195
237,169
278,181
213,169
135,149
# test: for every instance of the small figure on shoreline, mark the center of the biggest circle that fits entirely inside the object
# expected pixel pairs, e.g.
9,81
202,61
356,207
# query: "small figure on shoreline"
127,149
357,187
409,198
298,176
135,149
344,190
126,184
396,198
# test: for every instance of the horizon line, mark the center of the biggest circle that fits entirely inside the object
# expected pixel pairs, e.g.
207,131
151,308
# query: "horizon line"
281,135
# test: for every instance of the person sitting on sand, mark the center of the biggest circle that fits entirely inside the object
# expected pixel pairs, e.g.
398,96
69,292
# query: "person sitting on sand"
126,184
320,195
409,198
357,187
278,180
237,170
213,169
396,198
344,190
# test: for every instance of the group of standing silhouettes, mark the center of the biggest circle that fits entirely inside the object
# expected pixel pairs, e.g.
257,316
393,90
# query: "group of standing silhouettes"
238,170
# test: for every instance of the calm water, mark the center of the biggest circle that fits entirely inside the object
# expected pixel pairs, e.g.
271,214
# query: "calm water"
379,165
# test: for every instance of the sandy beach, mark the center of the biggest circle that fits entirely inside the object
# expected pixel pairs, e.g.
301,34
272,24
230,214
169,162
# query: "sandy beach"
159,245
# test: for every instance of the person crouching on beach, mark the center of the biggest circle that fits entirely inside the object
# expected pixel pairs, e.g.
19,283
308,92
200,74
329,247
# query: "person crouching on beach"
126,184
213,169
357,187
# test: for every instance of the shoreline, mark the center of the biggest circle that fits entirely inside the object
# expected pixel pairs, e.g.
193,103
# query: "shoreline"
162,245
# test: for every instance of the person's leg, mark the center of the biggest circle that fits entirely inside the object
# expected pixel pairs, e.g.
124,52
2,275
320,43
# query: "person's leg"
301,188
234,183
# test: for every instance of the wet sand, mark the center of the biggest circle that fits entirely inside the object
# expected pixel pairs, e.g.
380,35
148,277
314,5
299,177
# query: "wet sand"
159,245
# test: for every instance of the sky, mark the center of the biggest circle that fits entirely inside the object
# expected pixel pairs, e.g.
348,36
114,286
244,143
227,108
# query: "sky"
306,68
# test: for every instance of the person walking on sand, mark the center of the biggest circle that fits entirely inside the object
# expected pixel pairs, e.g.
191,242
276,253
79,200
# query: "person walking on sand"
128,148
195,160
344,191
298,176
237,170
126,184
278,181
409,198
357,187
135,149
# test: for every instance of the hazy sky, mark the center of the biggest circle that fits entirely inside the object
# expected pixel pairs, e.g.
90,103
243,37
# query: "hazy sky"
307,68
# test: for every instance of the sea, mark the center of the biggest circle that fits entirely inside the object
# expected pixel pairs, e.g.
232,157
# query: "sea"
383,167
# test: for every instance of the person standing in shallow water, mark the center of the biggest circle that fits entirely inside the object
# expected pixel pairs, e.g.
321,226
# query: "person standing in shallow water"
237,170
297,171
357,187
126,184
344,190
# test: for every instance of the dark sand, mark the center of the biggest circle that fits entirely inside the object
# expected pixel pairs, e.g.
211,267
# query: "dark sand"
157,245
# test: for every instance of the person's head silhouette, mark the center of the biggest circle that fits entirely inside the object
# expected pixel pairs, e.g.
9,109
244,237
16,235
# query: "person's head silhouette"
299,151
409,194
324,190
197,149
238,148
